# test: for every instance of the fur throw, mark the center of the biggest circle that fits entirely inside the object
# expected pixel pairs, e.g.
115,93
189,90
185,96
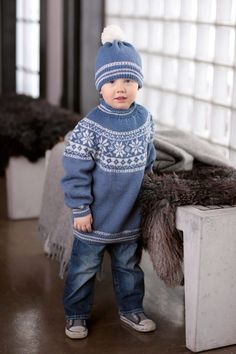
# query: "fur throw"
161,194
29,127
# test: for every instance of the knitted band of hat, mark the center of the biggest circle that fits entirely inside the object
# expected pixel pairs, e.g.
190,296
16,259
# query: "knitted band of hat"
117,59
118,70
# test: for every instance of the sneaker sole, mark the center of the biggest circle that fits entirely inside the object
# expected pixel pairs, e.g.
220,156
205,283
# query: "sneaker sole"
76,335
147,326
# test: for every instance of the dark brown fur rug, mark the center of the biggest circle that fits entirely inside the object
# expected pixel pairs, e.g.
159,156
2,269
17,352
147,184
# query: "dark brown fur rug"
30,126
161,194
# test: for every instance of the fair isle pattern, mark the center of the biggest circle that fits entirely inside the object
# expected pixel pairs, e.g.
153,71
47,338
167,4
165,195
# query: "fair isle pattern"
116,74
113,151
105,237
112,71
118,63
79,212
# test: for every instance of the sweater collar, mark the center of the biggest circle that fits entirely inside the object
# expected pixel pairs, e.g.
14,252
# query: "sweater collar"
104,107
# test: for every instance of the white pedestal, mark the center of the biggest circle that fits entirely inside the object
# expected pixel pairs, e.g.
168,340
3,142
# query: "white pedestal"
210,276
24,185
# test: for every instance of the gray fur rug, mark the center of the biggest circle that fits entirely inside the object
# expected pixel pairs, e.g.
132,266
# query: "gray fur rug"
161,194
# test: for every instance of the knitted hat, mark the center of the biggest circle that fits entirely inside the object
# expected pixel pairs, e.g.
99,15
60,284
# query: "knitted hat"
116,59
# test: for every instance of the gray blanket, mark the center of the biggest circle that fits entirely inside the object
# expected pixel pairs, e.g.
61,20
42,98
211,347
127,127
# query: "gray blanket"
176,151
55,222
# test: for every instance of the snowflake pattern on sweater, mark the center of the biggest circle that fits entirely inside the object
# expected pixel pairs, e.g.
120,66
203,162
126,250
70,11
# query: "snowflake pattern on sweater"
105,160
114,151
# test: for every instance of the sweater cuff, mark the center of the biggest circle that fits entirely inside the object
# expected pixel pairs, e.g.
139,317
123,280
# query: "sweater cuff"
82,211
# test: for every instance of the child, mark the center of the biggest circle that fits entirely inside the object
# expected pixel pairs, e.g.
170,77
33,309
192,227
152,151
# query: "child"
105,160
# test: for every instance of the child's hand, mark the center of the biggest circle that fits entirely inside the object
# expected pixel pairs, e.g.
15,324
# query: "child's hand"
83,223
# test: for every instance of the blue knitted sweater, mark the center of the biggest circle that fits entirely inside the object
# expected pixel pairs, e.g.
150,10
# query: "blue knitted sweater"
105,160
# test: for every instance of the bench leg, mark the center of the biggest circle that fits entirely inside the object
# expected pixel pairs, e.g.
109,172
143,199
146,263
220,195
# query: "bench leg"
210,276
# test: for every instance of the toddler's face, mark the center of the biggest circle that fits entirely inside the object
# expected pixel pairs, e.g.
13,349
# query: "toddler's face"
120,93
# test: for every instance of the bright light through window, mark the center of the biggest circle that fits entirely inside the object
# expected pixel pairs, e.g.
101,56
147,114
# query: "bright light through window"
27,47
188,49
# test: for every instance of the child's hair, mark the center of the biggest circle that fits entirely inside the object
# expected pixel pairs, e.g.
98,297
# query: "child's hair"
117,59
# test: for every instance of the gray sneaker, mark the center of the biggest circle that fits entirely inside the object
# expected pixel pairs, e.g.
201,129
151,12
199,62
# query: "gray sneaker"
76,329
139,322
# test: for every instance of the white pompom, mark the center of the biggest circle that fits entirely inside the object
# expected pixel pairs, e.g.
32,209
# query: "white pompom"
112,33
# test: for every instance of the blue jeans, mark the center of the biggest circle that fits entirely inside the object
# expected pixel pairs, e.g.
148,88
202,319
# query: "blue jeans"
86,259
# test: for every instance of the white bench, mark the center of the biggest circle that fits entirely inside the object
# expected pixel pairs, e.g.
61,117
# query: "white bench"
210,275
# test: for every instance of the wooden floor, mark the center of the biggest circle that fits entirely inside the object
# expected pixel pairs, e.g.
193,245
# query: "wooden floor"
32,320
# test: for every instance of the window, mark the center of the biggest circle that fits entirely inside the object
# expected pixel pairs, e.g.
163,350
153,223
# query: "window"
28,47
188,49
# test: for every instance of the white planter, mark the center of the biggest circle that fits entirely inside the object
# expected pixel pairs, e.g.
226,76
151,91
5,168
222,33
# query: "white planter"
24,185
